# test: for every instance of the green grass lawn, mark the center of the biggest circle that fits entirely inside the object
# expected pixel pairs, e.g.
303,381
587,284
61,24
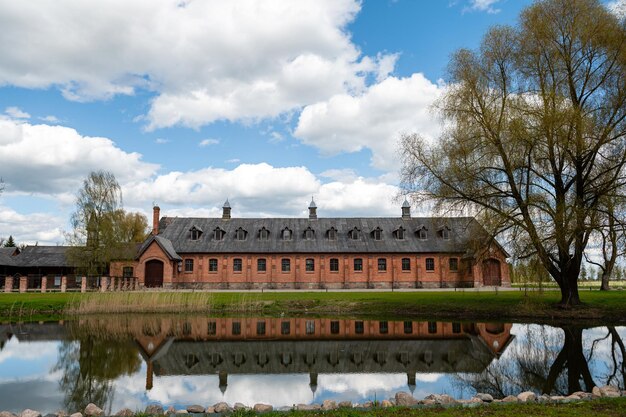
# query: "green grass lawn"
466,305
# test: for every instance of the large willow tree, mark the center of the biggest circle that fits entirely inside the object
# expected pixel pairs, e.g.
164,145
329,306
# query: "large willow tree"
534,133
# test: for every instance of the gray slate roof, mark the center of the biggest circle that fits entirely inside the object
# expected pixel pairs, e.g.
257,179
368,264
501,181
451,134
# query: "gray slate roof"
6,256
463,232
165,244
42,256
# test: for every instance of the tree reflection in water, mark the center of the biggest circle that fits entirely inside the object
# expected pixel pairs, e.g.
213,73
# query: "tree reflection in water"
89,365
537,363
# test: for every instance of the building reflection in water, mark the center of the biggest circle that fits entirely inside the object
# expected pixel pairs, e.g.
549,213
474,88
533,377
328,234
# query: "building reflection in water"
226,346
94,351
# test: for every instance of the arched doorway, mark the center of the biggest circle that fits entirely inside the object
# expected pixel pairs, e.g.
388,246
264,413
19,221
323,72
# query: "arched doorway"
491,272
154,274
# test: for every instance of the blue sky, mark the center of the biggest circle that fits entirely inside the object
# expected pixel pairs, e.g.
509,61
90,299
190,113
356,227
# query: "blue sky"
188,103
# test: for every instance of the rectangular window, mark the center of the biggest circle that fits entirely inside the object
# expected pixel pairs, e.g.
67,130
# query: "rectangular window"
261,265
57,281
334,265
260,327
334,327
236,328
310,265
188,265
408,327
456,327
237,265
212,265
454,264
430,264
211,328
359,328
310,327
285,327
406,264
127,272
383,327
432,327
285,265
382,264
358,264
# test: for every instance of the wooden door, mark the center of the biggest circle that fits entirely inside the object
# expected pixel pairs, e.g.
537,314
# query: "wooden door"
491,272
154,274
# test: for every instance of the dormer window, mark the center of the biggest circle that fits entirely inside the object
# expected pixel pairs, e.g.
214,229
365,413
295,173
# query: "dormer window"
422,233
264,234
286,234
399,233
218,234
332,234
240,234
354,234
445,232
309,234
194,233
377,233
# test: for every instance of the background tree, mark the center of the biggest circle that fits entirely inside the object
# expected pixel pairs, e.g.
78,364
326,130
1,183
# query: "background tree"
102,230
10,243
535,132
611,236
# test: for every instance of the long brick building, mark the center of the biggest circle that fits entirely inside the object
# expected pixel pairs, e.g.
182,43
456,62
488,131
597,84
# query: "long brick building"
313,253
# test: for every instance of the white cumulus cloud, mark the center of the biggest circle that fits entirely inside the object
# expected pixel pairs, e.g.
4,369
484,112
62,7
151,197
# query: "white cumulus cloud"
16,113
206,60
373,120
55,159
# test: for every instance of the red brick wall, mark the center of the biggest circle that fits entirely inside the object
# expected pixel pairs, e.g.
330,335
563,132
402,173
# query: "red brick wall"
322,276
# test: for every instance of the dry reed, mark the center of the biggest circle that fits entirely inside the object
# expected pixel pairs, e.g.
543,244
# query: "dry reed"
144,302
162,302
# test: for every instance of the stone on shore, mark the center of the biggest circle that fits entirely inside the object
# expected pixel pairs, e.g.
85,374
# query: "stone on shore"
93,410
78,414
209,410
154,409
240,406
428,402
125,412
262,408
610,391
329,405
386,404
404,399
441,399
195,409
595,392
30,413
182,412
345,404
222,407
308,407
526,396
510,399
7,414
484,397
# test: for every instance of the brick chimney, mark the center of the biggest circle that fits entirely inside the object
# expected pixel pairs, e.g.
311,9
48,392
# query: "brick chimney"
156,212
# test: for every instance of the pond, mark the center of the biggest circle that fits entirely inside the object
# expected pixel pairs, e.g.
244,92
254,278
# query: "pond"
132,361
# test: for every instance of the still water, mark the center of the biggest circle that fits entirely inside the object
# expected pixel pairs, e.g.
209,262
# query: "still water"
133,361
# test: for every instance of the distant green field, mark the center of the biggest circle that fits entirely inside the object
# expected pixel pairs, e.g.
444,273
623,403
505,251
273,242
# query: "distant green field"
519,305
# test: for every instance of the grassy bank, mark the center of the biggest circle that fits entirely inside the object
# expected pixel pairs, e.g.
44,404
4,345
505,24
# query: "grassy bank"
512,305
597,408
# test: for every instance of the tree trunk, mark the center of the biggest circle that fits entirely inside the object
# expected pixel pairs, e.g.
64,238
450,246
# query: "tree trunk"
569,291
605,280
